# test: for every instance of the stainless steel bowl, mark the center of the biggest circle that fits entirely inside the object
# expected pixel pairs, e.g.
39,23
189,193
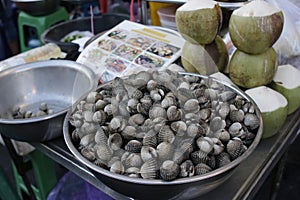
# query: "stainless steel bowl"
37,7
59,83
181,188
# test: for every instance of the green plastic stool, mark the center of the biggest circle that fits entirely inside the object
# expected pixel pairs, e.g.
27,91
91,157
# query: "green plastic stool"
32,27
44,174
6,189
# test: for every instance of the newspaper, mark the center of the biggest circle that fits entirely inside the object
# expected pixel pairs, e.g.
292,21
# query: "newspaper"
130,47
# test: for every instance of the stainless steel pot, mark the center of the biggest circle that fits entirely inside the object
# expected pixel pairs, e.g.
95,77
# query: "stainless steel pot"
77,2
101,23
37,7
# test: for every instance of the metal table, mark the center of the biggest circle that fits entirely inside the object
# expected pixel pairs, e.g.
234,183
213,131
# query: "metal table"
245,182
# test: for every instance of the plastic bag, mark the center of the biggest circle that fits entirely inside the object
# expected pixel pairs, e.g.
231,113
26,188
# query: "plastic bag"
71,187
288,45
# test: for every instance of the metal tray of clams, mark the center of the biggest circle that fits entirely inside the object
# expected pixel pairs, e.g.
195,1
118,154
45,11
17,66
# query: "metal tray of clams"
163,135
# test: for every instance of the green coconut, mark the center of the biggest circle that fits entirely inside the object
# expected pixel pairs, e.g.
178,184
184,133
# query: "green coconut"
205,59
199,21
287,82
256,26
248,71
222,77
188,67
273,107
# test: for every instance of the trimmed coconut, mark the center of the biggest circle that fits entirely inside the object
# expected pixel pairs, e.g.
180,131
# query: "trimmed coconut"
273,106
199,21
256,26
287,82
205,59
248,71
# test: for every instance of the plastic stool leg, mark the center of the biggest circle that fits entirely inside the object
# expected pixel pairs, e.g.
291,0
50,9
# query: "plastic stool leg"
22,190
6,190
44,173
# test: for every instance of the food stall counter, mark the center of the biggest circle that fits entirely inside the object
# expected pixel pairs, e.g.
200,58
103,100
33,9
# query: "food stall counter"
245,182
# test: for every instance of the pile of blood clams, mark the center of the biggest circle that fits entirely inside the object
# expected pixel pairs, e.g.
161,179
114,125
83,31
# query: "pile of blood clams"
163,125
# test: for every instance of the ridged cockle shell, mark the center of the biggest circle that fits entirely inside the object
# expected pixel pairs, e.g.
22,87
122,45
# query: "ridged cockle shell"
115,141
166,134
223,109
150,139
223,135
235,148
202,168
169,170
251,121
237,115
217,123
129,132
235,129
104,152
100,104
227,96
205,144
199,157
87,140
165,151
191,105
157,111
148,152
133,172
133,160
149,169
136,119
179,127
100,136
187,169
88,153
133,146
117,167
92,97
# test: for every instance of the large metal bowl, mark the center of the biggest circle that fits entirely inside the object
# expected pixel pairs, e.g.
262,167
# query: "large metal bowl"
181,188
59,83
37,7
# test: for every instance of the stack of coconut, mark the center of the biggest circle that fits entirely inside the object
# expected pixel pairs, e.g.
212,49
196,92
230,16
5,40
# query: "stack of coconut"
253,29
199,22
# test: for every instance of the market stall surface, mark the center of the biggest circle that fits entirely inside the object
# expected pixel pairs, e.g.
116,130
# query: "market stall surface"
288,186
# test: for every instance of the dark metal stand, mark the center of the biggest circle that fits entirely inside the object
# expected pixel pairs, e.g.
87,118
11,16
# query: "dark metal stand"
21,166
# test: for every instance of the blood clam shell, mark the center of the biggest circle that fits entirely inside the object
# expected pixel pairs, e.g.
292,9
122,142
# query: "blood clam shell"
151,185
